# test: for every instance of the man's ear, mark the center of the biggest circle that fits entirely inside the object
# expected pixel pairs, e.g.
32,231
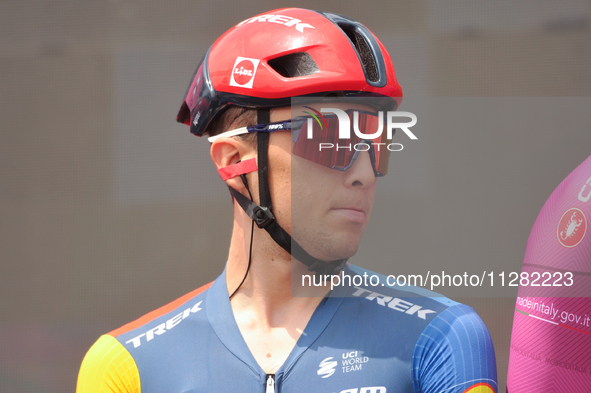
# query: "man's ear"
229,151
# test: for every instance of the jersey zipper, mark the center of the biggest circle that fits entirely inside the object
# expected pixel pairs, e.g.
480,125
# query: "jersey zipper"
270,383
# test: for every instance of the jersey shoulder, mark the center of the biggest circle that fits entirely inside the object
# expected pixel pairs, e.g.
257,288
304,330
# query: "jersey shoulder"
453,350
108,367
110,364
402,297
160,312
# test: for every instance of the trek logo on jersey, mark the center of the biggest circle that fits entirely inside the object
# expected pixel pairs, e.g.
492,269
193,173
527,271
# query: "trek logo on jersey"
572,227
243,72
164,327
279,19
394,303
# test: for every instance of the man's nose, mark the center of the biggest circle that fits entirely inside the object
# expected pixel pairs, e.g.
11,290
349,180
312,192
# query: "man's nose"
361,173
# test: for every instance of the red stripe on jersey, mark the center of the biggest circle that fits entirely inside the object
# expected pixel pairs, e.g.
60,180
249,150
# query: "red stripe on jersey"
158,312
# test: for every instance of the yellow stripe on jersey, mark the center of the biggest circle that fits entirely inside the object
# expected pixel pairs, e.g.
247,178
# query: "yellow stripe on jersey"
480,388
108,368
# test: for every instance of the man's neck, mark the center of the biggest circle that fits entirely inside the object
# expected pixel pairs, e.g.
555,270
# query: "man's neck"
268,284
270,319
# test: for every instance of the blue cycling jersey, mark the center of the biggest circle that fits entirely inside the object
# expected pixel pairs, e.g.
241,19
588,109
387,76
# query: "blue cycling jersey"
360,339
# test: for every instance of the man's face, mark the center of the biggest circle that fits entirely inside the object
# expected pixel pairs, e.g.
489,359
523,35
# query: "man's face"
325,210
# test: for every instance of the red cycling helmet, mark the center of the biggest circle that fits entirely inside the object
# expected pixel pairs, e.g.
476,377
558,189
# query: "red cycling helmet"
265,60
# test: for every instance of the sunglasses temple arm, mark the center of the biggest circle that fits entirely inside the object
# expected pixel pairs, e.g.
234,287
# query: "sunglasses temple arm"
227,134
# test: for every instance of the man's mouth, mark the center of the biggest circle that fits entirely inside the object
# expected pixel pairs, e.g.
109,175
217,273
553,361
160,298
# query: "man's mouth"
352,214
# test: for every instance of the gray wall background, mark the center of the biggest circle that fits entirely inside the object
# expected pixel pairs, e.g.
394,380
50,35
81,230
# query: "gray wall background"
109,209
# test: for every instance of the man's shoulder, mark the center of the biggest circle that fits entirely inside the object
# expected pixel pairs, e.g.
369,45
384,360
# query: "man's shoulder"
400,296
168,315
113,359
414,306
444,332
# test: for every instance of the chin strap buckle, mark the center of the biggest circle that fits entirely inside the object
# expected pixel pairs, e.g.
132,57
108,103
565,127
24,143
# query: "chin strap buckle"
262,216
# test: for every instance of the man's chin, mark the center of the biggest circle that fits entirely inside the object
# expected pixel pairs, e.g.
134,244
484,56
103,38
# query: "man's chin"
334,253
339,244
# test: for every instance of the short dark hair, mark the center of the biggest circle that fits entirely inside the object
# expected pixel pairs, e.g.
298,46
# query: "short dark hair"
235,117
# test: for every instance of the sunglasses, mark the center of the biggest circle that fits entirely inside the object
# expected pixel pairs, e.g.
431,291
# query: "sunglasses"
319,142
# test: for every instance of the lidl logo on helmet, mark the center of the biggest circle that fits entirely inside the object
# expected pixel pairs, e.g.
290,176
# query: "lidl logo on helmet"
392,120
243,72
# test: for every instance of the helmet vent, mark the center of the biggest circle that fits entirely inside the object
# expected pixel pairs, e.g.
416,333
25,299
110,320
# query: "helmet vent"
294,65
364,52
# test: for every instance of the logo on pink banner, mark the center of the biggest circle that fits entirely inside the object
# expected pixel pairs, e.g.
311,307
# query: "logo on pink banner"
572,227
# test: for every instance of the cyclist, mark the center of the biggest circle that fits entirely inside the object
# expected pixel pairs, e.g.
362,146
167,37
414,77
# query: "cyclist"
298,210
551,337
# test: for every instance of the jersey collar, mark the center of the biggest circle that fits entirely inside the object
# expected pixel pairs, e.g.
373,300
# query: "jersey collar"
221,318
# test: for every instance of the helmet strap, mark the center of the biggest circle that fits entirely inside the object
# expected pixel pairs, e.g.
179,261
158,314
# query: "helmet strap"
263,117
263,216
